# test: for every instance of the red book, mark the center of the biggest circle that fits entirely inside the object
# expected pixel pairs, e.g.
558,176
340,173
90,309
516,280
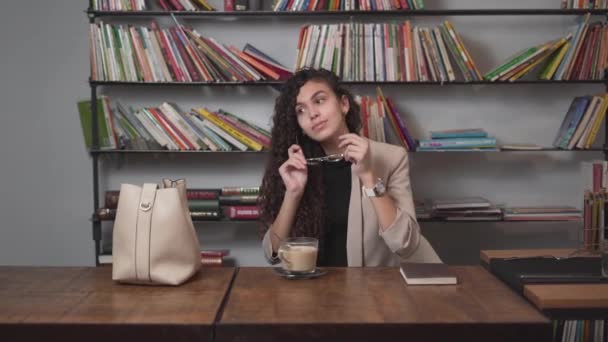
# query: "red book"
168,128
228,5
163,4
177,6
167,55
185,56
243,212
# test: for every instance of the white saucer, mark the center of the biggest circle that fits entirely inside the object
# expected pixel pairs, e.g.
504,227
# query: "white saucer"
295,276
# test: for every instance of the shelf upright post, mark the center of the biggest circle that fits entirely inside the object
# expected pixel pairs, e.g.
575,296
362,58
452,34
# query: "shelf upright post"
95,157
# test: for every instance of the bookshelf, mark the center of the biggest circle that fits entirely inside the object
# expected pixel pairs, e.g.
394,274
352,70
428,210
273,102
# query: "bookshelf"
338,14
97,154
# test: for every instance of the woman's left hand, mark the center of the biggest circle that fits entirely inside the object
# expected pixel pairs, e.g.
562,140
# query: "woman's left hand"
357,152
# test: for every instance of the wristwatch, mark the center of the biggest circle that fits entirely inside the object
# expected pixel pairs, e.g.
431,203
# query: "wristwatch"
378,190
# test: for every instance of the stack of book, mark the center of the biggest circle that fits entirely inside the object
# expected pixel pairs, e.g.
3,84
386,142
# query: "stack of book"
525,61
544,213
475,139
185,5
214,257
346,5
465,209
119,5
383,122
583,57
594,219
386,52
168,127
235,203
423,210
584,4
582,122
177,54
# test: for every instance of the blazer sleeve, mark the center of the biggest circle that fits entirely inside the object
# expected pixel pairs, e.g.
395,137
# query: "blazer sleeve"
267,247
403,235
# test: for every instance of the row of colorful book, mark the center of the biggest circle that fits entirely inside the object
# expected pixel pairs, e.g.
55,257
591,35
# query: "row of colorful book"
480,209
584,4
382,121
594,220
580,330
582,122
235,203
143,5
169,127
578,56
386,52
119,5
346,5
176,54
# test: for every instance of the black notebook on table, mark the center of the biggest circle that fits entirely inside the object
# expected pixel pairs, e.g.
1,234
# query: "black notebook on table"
518,272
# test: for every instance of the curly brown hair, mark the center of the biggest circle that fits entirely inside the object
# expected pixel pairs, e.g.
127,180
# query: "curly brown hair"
285,132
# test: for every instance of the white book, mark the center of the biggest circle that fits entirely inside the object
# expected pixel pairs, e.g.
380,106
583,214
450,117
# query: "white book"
596,114
177,121
159,129
583,123
445,58
329,47
109,50
339,50
379,61
128,62
321,46
312,47
151,55
153,130
168,130
162,129
164,68
369,51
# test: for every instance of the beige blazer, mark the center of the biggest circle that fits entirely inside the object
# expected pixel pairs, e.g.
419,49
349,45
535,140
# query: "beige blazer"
366,243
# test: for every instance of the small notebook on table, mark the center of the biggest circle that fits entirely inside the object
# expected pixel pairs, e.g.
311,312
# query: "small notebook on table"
427,274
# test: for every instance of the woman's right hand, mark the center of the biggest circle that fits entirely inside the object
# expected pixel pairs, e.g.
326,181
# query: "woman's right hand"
294,171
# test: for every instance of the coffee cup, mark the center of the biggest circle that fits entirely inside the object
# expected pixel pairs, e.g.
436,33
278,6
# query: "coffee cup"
299,255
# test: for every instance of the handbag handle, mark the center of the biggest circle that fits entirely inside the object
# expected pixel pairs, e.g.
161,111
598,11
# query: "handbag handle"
143,231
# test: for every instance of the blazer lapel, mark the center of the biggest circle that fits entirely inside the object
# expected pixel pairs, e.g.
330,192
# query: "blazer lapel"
354,234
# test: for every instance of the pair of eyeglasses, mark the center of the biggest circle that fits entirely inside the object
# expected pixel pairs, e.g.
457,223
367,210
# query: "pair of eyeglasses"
332,158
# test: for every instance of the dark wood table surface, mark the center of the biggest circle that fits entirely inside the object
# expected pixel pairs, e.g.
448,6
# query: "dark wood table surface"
84,304
356,304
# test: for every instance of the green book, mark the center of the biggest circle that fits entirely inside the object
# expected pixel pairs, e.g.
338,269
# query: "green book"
86,121
518,58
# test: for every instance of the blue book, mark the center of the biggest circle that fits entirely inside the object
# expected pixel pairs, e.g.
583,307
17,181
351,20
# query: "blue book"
572,119
459,133
458,143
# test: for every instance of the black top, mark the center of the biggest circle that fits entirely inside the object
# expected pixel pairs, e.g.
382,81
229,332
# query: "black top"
337,184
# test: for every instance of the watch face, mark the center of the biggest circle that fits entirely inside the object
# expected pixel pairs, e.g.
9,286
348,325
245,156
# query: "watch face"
380,188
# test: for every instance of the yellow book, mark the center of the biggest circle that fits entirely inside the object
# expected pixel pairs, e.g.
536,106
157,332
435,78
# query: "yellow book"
552,67
550,49
598,122
463,51
228,128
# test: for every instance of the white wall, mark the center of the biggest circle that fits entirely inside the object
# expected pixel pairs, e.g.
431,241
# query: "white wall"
47,200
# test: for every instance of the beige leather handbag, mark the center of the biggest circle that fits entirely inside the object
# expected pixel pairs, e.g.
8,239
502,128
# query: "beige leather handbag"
154,241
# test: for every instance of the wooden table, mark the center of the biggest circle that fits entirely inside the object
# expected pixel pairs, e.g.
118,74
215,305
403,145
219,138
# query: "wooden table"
84,304
559,300
372,304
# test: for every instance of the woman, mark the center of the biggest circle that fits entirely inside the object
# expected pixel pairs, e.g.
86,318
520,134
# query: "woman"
352,194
